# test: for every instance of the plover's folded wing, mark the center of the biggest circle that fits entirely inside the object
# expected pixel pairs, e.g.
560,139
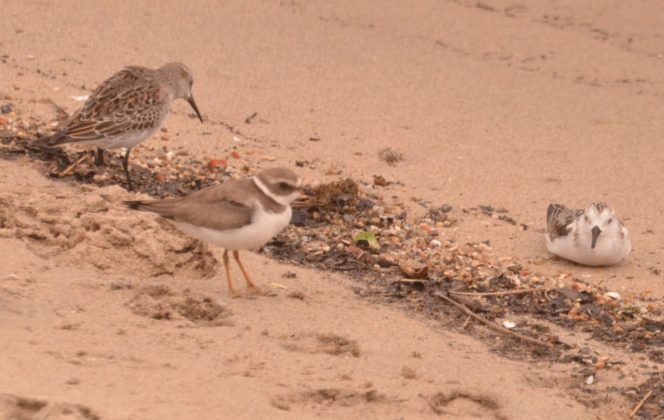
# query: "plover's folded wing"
221,215
558,219
221,207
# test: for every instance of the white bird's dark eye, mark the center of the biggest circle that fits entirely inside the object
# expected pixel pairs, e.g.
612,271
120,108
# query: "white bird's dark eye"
610,220
586,218
285,186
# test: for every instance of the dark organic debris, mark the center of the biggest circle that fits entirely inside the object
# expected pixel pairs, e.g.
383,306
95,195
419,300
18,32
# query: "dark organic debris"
390,156
411,262
161,303
439,400
648,397
159,172
327,397
31,408
496,213
336,345
414,260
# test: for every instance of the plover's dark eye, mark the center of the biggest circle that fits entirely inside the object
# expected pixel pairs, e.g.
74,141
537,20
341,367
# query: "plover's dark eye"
285,186
609,222
586,218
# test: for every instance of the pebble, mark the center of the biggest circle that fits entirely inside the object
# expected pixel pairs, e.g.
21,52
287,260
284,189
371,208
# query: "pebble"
73,381
509,324
515,268
613,295
6,108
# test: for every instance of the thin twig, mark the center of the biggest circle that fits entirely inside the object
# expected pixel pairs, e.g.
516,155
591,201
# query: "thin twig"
465,324
493,325
640,404
501,293
72,166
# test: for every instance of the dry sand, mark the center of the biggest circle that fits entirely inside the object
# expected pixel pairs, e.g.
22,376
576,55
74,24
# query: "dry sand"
497,102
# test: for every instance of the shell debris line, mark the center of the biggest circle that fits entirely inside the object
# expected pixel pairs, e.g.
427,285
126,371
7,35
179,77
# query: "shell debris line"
348,227
399,257
159,170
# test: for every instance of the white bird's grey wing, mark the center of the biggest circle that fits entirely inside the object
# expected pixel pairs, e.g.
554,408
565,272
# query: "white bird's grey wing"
130,100
221,207
559,218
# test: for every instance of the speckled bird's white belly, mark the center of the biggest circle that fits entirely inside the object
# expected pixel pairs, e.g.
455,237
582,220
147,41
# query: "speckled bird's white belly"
124,141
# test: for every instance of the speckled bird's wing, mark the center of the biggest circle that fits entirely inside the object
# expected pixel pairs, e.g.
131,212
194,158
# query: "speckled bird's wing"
559,218
130,100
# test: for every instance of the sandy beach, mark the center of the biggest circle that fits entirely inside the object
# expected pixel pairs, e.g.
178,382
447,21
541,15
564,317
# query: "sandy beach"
496,103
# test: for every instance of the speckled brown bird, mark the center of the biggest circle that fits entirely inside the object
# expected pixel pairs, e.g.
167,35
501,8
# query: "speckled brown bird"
126,109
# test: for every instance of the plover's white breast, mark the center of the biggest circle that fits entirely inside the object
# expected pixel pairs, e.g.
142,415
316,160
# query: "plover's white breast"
263,227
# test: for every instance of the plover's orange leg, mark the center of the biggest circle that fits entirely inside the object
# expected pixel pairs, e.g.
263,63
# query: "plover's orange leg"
250,285
228,275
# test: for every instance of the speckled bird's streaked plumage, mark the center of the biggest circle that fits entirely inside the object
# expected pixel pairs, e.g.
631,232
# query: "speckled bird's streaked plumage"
558,219
127,108
131,103
590,236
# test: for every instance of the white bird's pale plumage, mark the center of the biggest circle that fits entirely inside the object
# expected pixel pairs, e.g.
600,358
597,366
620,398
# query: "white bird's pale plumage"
236,215
592,236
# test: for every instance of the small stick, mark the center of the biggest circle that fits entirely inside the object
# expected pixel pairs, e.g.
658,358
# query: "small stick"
465,324
502,293
640,404
250,118
492,325
72,166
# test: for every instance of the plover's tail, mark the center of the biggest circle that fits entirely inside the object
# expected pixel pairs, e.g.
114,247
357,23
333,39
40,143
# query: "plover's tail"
134,205
164,208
